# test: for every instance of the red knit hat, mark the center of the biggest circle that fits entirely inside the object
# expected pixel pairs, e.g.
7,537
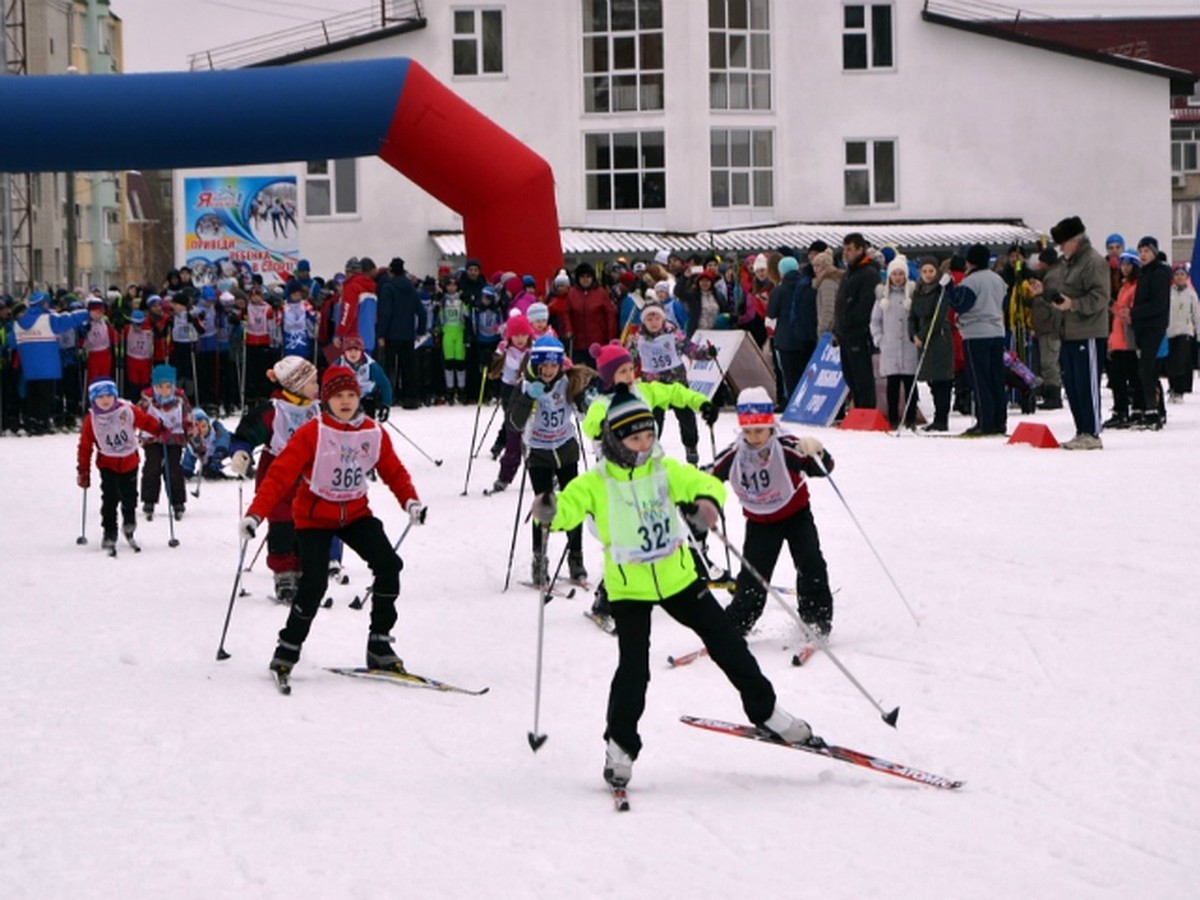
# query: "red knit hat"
337,379
609,358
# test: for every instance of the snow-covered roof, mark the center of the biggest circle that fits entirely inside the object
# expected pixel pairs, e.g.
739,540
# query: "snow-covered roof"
945,236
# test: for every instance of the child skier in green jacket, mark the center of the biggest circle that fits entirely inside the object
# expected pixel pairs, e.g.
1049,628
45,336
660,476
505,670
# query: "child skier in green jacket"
632,498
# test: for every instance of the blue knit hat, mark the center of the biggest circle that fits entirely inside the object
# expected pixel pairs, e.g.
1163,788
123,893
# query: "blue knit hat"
1114,238
788,264
1130,256
546,349
163,374
101,387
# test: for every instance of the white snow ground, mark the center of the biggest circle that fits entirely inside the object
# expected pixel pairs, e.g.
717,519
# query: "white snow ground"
1052,672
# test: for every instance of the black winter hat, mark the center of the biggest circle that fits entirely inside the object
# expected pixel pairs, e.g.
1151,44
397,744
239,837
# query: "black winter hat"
584,269
1070,227
978,255
396,266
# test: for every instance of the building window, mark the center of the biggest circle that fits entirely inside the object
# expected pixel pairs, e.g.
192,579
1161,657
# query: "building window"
742,163
478,42
1185,149
331,188
867,36
739,54
38,272
622,55
870,173
1183,219
112,226
625,170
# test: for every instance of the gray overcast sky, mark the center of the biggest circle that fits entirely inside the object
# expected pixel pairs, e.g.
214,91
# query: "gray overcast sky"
160,34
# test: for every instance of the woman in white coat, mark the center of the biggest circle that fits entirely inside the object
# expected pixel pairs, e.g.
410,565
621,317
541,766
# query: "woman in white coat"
898,356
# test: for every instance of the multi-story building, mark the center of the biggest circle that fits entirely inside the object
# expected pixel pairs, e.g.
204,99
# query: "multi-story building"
746,124
71,229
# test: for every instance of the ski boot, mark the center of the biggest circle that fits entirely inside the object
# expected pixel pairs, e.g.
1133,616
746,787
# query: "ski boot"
577,573
109,543
692,455
129,528
499,485
177,510
787,727
148,509
540,571
286,585
380,654
618,765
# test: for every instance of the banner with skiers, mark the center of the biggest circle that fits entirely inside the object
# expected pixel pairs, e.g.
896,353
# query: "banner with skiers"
241,224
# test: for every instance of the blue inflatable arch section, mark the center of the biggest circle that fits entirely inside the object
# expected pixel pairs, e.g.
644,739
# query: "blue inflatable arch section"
503,190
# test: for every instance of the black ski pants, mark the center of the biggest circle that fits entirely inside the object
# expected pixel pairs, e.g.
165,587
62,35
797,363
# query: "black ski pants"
117,489
696,608
365,537
761,548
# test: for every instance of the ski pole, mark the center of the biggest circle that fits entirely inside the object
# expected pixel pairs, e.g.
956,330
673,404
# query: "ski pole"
436,462
888,717
512,548
82,539
712,438
548,593
536,739
579,434
359,602
937,309
474,432
237,580
486,430
854,519
257,553
173,541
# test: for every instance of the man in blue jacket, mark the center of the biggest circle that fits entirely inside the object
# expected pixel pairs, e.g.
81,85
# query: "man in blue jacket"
37,330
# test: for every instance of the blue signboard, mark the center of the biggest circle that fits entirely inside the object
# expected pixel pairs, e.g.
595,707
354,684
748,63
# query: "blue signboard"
822,390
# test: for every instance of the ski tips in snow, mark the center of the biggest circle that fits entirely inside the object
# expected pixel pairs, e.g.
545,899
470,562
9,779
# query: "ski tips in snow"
620,797
536,741
819,747
804,654
891,717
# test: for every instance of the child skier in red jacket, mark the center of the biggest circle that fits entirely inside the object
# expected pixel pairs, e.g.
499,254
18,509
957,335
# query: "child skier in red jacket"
330,458
111,427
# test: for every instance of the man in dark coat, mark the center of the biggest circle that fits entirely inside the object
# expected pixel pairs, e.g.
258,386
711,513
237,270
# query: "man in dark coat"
1150,314
852,319
401,321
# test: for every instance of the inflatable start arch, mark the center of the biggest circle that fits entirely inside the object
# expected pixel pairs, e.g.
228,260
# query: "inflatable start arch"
392,108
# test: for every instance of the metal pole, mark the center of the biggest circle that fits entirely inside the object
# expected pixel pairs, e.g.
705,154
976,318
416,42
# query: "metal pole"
6,211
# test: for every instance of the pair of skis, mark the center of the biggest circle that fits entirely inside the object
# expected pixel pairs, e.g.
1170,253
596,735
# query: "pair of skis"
799,658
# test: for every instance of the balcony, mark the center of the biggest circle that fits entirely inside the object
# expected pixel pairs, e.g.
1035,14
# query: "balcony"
386,18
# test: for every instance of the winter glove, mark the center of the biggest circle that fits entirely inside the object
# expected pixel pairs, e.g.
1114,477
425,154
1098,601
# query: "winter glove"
810,446
535,389
704,514
382,413
239,463
247,526
416,511
711,351
945,280
545,506
709,413
84,480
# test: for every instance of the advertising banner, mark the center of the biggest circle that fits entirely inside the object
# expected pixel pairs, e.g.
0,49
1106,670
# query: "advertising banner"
240,226
822,390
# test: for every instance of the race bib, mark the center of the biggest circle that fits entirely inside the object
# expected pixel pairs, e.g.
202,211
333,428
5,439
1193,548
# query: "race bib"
643,523
343,459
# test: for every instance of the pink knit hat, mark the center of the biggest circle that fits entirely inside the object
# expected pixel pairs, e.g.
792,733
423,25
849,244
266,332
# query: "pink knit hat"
515,325
609,358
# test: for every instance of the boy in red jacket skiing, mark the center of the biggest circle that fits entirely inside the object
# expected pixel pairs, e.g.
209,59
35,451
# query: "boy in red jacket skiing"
330,458
111,427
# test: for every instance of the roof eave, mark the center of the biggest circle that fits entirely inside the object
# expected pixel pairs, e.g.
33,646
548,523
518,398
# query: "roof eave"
1182,81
